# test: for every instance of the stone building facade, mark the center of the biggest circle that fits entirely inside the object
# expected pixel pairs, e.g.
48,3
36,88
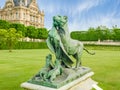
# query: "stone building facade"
25,12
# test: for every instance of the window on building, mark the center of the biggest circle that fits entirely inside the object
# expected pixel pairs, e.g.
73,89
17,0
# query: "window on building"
11,16
30,18
24,15
33,18
16,15
36,19
6,16
41,20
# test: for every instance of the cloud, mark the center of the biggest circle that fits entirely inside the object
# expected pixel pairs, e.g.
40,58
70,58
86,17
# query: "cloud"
82,14
84,6
2,4
74,26
108,19
86,16
50,9
87,5
71,8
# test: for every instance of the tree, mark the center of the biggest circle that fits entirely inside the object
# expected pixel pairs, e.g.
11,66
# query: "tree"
79,35
92,35
2,37
116,34
99,33
19,27
10,37
30,31
4,24
107,34
42,33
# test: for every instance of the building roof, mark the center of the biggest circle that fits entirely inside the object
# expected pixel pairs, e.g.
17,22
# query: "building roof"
22,2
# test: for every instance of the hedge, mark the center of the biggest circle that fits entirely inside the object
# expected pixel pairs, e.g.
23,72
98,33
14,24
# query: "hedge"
43,45
27,45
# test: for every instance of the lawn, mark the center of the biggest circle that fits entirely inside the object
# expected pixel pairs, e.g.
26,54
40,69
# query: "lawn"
20,65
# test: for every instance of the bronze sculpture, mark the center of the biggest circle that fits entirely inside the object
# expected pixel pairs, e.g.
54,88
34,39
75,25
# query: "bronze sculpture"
61,44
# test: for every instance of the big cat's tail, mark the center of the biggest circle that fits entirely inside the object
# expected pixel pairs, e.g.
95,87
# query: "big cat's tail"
89,52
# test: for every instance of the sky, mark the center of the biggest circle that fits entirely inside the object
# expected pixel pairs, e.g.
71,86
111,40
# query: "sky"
82,14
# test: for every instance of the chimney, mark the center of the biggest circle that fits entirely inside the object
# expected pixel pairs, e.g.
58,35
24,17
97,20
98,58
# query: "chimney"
34,1
25,2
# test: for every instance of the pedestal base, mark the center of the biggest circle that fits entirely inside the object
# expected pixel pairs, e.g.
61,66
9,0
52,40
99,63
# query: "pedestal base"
83,83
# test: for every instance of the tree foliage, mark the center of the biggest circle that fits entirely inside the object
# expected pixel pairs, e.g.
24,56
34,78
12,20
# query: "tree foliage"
2,36
10,37
42,33
29,31
39,33
116,34
4,24
19,27
95,34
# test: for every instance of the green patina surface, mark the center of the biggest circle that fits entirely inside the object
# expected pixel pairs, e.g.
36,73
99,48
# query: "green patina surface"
62,46
68,75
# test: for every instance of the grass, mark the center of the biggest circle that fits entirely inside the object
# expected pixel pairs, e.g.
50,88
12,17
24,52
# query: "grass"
106,65
20,65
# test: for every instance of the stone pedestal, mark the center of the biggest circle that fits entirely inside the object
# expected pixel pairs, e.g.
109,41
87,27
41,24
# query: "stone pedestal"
83,83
